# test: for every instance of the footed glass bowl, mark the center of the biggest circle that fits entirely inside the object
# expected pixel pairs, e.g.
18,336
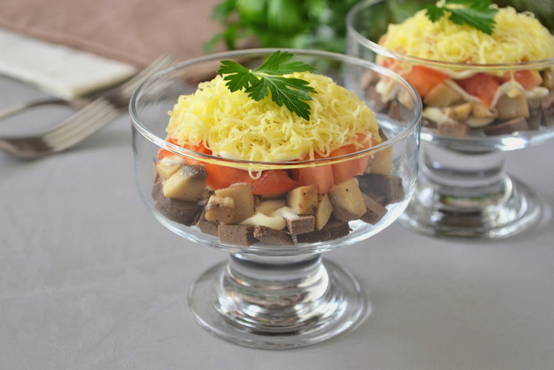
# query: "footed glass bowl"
274,291
463,188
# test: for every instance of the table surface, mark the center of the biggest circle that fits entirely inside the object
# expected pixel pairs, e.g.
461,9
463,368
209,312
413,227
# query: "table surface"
89,280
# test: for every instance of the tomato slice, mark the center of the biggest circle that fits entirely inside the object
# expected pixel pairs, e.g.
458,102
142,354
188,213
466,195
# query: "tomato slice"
526,78
353,167
424,79
220,177
273,182
481,85
321,176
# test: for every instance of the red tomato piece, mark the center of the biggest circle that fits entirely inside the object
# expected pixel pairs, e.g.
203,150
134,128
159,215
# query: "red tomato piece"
353,167
481,85
424,79
321,176
526,78
220,177
273,182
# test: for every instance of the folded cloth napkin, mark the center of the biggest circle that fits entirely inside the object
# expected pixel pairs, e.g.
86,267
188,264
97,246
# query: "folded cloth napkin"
131,31
59,70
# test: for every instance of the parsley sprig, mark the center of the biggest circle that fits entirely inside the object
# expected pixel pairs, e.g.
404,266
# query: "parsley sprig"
268,79
475,13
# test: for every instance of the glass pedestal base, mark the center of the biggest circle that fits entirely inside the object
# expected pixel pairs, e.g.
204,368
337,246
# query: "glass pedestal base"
433,213
277,306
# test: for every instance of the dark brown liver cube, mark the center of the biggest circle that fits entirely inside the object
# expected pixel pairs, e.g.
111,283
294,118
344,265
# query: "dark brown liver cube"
508,127
333,230
547,108
375,100
454,129
180,211
271,236
236,234
375,210
398,111
301,225
207,227
382,188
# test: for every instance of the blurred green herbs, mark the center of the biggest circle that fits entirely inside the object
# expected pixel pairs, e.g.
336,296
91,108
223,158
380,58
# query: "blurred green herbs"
321,24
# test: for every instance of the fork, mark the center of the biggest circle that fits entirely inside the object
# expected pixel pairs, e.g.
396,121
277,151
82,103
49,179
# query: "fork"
91,118
119,95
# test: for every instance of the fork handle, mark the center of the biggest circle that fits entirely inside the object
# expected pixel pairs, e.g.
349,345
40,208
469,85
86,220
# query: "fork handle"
19,108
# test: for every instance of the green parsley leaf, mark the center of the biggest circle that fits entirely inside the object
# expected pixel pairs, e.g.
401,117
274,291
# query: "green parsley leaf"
475,13
267,79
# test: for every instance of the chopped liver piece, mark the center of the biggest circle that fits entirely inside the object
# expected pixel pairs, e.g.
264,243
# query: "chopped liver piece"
301,225
180,211
382,188
333,230
271,236
504,128
375,210
454,129
535,114
547,107
207,227
375,100
236,234
398,111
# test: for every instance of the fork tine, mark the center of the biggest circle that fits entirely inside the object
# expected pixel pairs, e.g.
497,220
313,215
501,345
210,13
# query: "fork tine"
77,117
79,121
88,126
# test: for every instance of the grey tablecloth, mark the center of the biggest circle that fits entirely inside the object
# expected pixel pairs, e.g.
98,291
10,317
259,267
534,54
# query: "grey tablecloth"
89,280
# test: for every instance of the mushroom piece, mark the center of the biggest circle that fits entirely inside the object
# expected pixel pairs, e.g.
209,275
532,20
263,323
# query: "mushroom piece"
186,184
442,95
347,200
241,193
459,112
512,107
303,199
323,212
221,209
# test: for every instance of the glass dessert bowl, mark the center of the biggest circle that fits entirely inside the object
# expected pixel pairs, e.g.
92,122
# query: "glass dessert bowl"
275,218
472,113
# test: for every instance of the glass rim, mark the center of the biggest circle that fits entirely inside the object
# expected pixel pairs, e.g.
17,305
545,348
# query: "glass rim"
289,164
353,32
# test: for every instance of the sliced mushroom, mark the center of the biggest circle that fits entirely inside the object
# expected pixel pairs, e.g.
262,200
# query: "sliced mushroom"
221,209
347,200
323,212
509,108
186,184
442,95
479,110
267,207
548,79
303,199
459,112
168,166
243,198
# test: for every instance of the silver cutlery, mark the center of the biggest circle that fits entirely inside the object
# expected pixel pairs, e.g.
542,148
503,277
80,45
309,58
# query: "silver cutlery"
92,116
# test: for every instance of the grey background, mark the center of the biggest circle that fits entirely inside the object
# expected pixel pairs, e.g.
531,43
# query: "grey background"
89,280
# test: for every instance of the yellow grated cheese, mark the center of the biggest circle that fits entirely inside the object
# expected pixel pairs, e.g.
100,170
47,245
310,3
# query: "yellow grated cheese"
233,125
517,37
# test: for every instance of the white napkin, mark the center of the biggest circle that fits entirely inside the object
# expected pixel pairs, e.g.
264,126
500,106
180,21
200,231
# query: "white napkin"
64,72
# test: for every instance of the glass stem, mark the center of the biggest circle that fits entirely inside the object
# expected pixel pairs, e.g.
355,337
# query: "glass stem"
466,180
274,294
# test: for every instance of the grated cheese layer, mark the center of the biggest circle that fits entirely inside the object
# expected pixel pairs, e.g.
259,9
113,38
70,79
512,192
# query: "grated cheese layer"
232,125
517,37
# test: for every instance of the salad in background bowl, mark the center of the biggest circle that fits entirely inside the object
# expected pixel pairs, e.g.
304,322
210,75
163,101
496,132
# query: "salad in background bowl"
485,75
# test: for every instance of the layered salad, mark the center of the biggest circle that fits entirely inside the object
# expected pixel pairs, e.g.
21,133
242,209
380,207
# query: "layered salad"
243,205
461,101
